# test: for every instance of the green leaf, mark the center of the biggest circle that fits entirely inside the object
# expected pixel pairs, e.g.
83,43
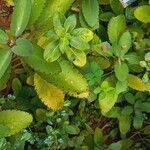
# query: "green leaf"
121,86
23,47
83,33
132,58
147,130
79,43
142,13
130,98
38,63
20,17
116,7
106,16
3,37
16,86
115,146
15,120
4,131
76,56
73,130
114,113
70,23
124,124
121,71
125,42
116,27
145,107
127,110
58,25
52,52
90,10
107,100
37,8
5,59
5,78
98,136
138,120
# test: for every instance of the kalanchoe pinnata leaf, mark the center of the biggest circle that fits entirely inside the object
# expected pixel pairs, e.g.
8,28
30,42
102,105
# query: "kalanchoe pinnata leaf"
90,10
70,23
5,59
5,78
50,95
106,16
52,52
15,120
37,8
116,27
78,57
20,17
107,100
79,43
69,80
83,33
116,4
23,47
3,37
38,63
121,71
142,13
132,58
125,42
4,131
58,25
136,83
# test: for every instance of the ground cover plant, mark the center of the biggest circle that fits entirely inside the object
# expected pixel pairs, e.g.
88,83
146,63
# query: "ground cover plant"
74,74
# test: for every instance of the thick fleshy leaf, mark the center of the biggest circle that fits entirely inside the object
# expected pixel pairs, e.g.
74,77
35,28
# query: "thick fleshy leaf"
83,33
4,131
121,71
3,37
107,100
90,10
142,13
37,8
5,58
70,23
23,47
136,83
15,120
49,94
79,43
52,52
116,27
76,56
38,63
125,42
20,16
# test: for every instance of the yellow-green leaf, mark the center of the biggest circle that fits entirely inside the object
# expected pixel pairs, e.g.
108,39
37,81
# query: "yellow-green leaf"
49,94
142,13
15,120
136,83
